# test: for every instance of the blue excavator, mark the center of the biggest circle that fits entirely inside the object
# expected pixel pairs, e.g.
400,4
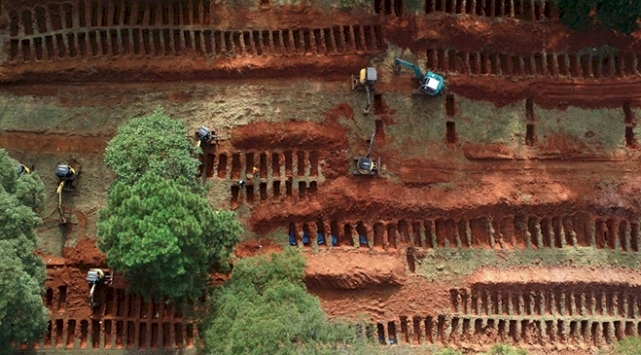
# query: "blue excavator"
430,84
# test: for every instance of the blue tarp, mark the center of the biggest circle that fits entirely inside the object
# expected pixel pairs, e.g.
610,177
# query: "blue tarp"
292,239
320,239
334,240
305,238
363,240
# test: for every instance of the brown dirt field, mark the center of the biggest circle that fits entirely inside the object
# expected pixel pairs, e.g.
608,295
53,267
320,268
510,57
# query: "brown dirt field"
505,210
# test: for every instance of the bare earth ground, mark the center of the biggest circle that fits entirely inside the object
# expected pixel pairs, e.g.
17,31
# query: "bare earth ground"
506,209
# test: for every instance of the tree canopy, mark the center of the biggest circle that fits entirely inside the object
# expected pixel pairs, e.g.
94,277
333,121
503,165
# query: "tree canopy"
265,309
23,316
618,15
156,144
163,237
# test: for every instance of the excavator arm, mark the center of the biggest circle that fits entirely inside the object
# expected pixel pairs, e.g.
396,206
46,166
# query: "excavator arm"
92,303
397,68
63,219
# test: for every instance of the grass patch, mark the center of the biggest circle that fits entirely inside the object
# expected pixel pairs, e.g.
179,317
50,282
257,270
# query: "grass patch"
594,128
482,122
451,263
502,349
629,346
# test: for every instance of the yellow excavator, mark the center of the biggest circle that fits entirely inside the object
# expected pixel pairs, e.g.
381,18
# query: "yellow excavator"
365,80
67,176
23,169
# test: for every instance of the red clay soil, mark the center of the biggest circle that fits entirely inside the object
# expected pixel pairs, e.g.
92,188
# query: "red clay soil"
255,247
293,134
349,199
53,142
474,34
351,270
556,275
351,283
86,253
549,93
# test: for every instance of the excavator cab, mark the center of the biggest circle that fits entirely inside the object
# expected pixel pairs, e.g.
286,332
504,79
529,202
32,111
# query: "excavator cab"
206,136
432,85
96,279
366,79
367,165
67,176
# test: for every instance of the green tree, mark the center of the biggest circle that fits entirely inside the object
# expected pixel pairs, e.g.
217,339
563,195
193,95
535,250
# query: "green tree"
156,144
163,237
618,15
265,309
23,316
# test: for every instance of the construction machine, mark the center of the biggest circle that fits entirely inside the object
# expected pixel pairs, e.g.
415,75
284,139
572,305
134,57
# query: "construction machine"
206,136
367,165
96,279
429,84
67,176
23,169
365,80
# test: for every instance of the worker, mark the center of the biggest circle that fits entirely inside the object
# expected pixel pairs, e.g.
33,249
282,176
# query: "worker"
240,183
254,170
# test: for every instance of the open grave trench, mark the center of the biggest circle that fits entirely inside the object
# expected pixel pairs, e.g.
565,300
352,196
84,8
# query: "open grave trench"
580,229
90,29
565,65
122,321
524,332
525,315
527,10
281,174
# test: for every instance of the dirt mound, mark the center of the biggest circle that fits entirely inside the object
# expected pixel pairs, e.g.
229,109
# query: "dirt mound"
85,252
556,275
267,135
352,270
255,247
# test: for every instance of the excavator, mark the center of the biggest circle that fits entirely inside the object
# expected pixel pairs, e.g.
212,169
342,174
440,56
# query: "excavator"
96,279
365,80
67,176
429,84
23,169
205,136
366,165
